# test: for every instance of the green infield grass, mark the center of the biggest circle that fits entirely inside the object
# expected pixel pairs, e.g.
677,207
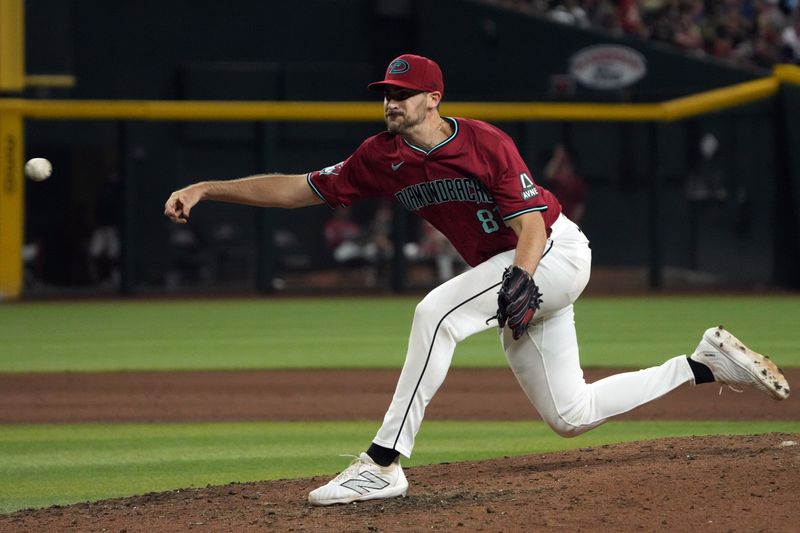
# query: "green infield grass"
357,333
43,465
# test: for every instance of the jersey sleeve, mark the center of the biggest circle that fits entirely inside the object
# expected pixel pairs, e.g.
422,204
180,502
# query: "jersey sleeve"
341,184
513,188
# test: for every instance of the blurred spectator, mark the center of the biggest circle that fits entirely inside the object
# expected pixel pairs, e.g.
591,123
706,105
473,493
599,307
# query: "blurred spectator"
663,22
766,49
706,181
350,245
562,179
748,32
569,12
604,14
434,247
769,16
379,248
190,264
104,243
687,33
343,237
31,260
630,19
790,42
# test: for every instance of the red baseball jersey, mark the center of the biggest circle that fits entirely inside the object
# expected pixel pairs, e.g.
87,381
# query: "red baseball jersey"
467,186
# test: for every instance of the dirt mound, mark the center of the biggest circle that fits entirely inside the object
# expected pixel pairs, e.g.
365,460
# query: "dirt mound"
718,483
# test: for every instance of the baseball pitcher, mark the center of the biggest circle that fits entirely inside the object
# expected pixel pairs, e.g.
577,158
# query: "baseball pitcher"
529,263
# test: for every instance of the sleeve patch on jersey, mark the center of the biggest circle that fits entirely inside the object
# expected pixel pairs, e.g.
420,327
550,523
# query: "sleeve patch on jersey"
529,210
528,188
332,170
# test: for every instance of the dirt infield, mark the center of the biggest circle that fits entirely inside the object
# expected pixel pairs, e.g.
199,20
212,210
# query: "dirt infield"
717,483
480,394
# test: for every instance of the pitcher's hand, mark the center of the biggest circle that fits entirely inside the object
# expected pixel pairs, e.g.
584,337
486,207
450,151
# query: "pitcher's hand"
180,203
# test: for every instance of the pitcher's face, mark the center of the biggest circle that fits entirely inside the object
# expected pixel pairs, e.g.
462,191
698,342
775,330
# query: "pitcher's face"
403,109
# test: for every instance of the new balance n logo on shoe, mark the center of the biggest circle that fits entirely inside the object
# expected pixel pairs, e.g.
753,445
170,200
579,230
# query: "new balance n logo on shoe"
362,480
365,482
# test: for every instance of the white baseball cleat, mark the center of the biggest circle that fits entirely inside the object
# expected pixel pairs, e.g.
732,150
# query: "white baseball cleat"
362,480
733,363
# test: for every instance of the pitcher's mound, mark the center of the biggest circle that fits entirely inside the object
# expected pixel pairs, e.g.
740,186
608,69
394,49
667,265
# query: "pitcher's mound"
716,483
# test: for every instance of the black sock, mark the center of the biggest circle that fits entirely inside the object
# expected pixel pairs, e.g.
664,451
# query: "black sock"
701,372
382,456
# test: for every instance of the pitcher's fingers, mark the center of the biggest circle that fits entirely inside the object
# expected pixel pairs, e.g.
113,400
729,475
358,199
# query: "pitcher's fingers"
172,214
184,210
170,207
174,211
175,206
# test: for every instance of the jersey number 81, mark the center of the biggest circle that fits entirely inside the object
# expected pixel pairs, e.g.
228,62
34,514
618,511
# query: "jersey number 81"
487,220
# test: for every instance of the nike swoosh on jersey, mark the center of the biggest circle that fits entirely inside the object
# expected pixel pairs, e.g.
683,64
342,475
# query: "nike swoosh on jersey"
395,166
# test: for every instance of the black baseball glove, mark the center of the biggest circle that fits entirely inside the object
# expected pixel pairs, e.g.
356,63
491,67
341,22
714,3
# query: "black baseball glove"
517,301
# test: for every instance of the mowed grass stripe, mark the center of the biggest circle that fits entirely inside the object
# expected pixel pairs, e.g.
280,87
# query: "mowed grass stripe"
357,333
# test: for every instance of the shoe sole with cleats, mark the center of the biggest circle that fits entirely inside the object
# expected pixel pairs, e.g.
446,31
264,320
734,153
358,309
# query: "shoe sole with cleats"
763,373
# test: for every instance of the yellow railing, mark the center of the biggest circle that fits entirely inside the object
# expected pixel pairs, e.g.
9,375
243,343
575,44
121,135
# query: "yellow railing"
13,111
677,109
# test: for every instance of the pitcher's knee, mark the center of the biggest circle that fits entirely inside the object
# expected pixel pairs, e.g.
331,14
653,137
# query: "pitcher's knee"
428,310
564,430
567,426
432,314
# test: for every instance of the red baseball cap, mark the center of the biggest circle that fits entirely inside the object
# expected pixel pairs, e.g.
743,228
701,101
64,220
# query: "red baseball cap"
412,72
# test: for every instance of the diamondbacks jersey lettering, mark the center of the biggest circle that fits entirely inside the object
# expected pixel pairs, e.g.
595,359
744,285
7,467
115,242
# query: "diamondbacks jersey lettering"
419,195
476,174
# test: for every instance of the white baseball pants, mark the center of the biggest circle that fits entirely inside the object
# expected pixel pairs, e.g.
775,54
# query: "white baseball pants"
545,360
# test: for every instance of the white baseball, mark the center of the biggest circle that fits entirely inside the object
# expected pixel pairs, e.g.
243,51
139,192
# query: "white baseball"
38,169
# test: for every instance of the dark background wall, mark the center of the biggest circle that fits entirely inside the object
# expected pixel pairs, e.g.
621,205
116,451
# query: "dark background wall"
329,50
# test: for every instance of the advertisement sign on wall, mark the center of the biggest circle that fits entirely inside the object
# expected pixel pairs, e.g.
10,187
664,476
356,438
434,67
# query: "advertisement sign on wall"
607,66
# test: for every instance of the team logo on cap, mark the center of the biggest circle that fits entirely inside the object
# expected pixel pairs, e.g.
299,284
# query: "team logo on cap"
398,66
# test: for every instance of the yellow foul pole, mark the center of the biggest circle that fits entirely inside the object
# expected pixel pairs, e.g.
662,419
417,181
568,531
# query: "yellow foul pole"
12,194
11,205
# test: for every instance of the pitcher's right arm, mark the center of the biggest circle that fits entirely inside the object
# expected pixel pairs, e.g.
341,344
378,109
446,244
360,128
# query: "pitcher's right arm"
264,190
